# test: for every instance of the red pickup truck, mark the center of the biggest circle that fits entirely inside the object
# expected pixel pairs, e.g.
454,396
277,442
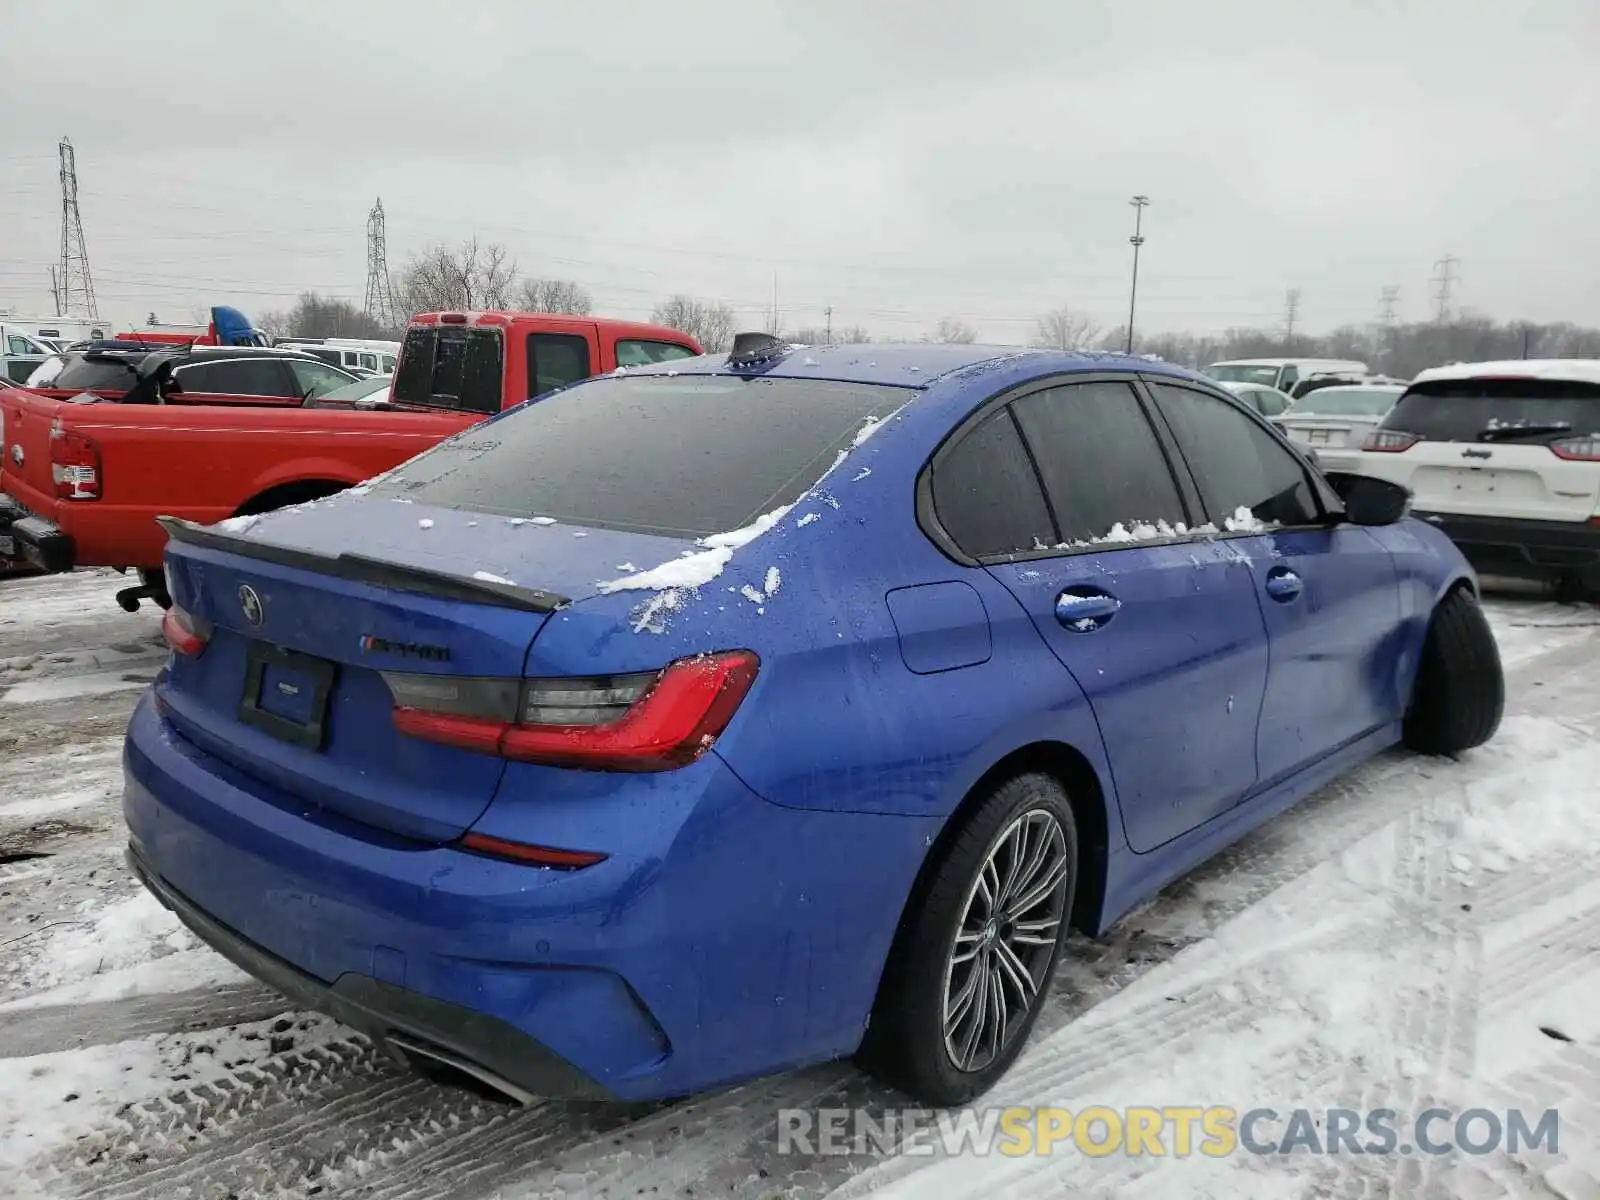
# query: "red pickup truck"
83,480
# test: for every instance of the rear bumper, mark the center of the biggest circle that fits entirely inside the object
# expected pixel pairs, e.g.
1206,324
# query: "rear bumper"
725,938
25,538
390,1015
1523,549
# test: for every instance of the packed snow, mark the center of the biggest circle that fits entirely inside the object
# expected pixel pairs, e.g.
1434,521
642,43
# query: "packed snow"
1421,932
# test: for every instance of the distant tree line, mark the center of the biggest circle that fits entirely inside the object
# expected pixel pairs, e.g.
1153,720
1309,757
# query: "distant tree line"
474,276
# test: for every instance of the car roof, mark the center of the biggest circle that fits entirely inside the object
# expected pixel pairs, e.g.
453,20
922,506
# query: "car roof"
1565,370
1278,362
916,364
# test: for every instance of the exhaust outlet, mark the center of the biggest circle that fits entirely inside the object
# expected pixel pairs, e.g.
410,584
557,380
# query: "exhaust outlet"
414,1050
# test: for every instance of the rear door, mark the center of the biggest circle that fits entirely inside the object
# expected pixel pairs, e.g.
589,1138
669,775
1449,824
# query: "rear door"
253,381
1489,447
558,360
1160,630
1329,592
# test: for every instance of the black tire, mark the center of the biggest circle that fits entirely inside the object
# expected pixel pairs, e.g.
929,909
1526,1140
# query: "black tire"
905,1043
1460,692
156,581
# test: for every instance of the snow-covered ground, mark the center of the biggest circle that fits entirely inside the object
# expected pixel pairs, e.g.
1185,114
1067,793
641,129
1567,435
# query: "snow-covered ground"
1421,933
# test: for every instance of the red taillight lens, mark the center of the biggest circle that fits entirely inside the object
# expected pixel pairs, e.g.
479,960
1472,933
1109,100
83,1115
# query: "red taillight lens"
74,466
184,632
1390,441
648,722
1578,449
537,856
452,318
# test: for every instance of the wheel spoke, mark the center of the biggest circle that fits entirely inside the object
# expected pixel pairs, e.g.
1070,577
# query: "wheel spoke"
1036,933
980,1015
959,1004
999,1014
1014,844
967,943
1014,970
1041,890
1030,869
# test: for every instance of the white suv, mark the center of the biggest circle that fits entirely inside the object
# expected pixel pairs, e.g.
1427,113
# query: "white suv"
1505,458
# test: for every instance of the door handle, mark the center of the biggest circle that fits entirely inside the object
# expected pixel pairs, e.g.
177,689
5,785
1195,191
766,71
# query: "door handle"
1083,610
1284,585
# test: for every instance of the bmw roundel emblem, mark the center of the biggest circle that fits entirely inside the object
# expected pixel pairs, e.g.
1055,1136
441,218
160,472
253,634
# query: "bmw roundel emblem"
251,603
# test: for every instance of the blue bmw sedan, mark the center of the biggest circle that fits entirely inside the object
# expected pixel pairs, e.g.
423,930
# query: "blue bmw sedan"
713,718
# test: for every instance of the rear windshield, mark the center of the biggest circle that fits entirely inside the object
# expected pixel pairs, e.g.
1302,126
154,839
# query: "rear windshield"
1346,402
83,375
1474,410
450,366
679,456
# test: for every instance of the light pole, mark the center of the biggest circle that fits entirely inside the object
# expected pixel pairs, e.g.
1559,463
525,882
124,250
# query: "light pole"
1137,240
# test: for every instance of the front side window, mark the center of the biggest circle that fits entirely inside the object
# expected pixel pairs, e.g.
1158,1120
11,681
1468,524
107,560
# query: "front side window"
1244,473
556,360
986,493
246,377
640,352
1102,466
367,362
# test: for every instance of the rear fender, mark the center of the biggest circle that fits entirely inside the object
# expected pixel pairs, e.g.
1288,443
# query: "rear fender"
304,470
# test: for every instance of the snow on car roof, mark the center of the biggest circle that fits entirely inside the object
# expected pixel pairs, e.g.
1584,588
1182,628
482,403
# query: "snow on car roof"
1568,370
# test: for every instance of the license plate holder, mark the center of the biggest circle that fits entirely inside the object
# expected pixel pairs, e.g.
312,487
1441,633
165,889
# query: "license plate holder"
286,694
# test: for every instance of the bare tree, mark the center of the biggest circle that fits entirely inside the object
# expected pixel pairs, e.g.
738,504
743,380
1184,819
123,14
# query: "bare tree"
852,335
1064,329
952,329
708,322
555,296
470,279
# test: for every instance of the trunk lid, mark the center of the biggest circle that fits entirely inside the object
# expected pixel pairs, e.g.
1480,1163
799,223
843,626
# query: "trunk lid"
1328,432
310,606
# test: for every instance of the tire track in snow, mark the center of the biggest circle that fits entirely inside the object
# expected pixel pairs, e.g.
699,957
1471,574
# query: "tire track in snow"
29,1031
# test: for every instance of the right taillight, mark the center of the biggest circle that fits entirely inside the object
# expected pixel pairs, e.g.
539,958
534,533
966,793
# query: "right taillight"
1390,441
1578,449
652,721
74,465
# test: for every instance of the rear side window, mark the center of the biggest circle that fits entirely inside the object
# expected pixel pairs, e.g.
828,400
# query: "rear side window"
986,493
1471,410
449,366
85,375
639,352
676,455
1100,460
1236,463
556,360
250,377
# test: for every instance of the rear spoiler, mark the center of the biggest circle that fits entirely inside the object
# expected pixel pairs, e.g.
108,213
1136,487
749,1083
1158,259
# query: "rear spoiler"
361,569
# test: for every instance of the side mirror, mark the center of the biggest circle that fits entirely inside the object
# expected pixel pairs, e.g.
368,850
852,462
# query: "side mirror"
1369,501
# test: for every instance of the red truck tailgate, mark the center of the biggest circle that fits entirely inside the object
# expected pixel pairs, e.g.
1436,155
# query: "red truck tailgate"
26,421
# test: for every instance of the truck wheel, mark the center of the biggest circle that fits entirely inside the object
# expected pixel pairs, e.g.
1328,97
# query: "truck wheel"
156,581
973,959
1460,692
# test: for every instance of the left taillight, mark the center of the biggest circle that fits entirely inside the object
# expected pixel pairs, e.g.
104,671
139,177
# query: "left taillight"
184,632
652,721
74,466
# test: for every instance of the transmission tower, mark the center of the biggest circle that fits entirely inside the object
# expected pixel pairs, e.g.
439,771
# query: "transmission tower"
74,287
1444,283
1388,298
380,305
1291,315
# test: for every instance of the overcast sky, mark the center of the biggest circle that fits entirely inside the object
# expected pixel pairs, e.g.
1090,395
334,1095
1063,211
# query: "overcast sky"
898,161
